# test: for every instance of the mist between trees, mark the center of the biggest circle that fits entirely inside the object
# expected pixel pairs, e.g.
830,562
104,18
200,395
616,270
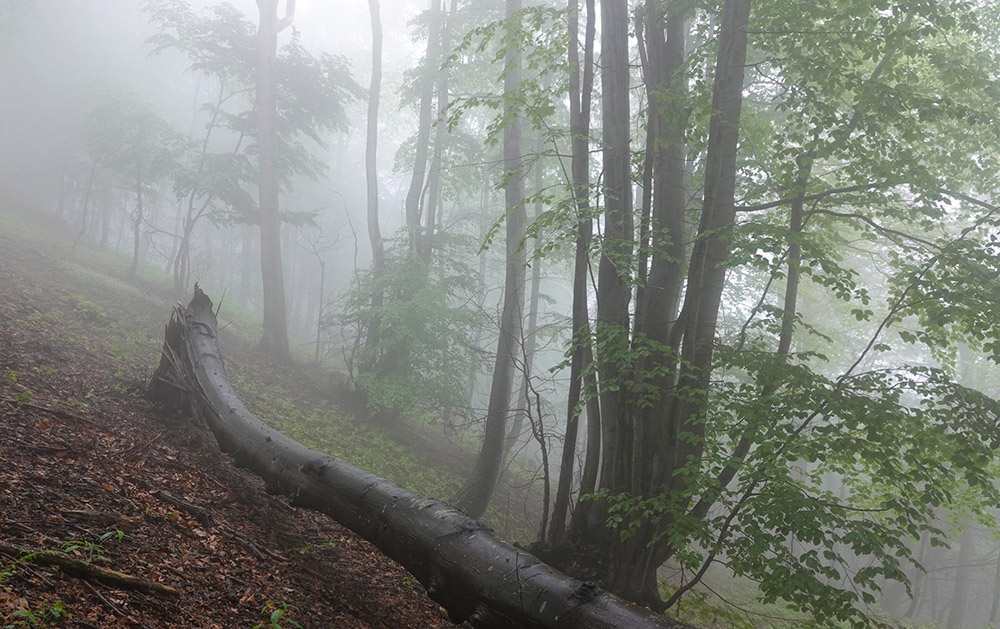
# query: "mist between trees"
718,278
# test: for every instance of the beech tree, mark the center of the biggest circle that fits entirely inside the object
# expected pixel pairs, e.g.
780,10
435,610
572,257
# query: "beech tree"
275,339
722,406
475,494
371,172
218,169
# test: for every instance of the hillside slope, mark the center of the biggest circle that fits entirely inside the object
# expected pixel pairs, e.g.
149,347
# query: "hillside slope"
90,469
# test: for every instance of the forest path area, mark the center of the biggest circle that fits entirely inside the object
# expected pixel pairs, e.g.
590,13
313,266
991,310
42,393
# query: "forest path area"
91,470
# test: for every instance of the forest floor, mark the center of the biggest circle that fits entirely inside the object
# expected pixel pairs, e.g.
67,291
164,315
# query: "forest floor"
91,471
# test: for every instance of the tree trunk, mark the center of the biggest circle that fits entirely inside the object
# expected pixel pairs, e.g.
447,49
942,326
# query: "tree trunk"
473,575
530,341
475,495
614,284
137,222
320,308
580,96
275,339
424,123
585,229
371,178
995,607
926,556
434,177
963,579
658,298
106,220
680,443
175,240
86,205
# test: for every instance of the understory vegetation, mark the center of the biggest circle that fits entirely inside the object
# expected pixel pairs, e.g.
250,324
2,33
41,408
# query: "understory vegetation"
697,300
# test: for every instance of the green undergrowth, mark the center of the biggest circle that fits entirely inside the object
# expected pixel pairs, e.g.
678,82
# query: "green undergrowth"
83,305
323,425
723,599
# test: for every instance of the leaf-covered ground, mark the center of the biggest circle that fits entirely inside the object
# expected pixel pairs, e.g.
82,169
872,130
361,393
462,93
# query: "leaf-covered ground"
91,470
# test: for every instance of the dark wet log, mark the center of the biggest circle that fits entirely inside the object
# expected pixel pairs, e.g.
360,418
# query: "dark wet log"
464,567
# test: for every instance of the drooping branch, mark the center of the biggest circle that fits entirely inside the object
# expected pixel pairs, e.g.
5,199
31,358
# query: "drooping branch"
465,568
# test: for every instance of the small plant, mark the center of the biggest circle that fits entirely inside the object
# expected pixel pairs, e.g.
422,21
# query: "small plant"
87,547
28,618
21,397
115,534
87,310
57,610
276,612
8,572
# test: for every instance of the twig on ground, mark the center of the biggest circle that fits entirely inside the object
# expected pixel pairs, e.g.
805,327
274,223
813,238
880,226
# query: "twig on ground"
85,569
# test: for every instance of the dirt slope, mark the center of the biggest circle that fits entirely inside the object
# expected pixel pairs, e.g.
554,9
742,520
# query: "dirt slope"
88,467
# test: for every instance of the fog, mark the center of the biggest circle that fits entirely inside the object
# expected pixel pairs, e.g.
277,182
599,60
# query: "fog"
756,300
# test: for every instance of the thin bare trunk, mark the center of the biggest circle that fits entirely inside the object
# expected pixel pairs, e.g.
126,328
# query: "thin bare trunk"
963,579
434,177
580,96
137,221
275,324
657,300
614,285
475,494
371,178
995,608
530,340
424,122
86,205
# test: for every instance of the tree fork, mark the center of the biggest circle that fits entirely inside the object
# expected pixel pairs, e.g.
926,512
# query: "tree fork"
464,566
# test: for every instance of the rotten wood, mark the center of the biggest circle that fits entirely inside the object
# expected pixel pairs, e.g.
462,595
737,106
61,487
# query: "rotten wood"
198,512
464,567
85,569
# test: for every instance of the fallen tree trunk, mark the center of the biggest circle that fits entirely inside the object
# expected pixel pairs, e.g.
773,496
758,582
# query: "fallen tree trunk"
464,567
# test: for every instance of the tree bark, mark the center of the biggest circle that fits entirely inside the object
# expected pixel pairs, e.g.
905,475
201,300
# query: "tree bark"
614,285
995,607
963,579
424,122
465,568
475,495
657,299
585,230
530,340
580,96
106,220
275,338
137,221
86,205
680,442
434,176
371,178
